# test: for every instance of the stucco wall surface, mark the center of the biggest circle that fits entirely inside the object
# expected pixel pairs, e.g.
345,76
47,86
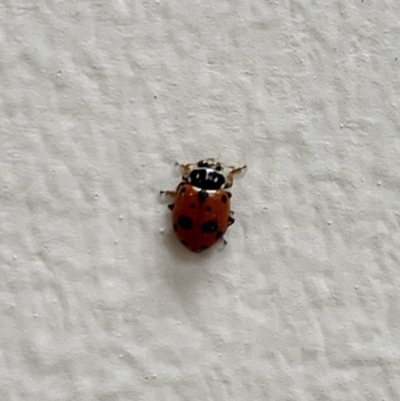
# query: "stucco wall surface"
99,301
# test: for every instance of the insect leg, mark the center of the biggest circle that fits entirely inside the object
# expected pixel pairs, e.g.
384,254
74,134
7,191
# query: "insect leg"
229,178
185,167
169,193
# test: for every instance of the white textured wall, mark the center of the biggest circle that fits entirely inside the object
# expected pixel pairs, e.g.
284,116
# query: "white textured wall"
98,301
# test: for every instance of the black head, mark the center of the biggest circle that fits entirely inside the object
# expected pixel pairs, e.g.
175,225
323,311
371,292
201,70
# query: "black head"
206,174
210,163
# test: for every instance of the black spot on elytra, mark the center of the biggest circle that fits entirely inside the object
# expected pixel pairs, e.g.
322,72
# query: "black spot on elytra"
203,195
219,234
182,191
175,227
192,206
209,227
185,222
208,209
224,198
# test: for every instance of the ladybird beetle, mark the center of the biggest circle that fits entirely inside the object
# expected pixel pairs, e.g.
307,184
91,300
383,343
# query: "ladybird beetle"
201,211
